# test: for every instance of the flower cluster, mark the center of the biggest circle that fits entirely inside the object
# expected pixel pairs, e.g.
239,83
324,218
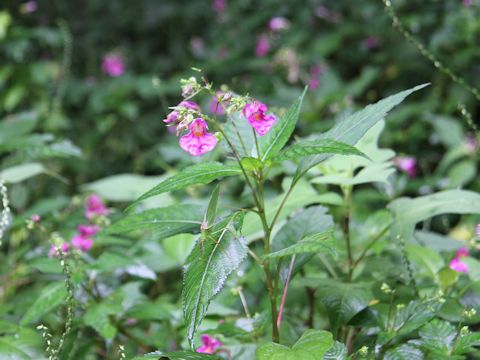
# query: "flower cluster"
457,264
209,344
83,239
191,125
407,164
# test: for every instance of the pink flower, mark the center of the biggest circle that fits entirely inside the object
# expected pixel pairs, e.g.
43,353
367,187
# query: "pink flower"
53,249
459,266
172,117
87,230
113,65
29,7
477,230
198,141
82,243
219,6
467,3
35,218
95,207
209,344
315,72
278,23
471,143
462,252
371,43
263,46
215,106
407,164
255,114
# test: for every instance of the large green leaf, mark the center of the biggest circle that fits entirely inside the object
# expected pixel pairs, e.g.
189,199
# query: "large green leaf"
177,355
315,147
23,344
50,297
213,258
351,129
271,143
312,345
322,242
196,174
98,316
404,352
342,300
408,212
164,222
437,338
337,352
19,173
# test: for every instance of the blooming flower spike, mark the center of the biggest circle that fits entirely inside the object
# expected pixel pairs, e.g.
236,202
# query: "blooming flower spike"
198,141
209,345
256,115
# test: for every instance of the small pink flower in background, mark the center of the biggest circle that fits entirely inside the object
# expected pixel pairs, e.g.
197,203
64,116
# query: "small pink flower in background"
29,7
95,207
215,106
477,230
87,230
113,65
471,143
315,73
256,115
326,14
371,43
219,6
53,249
459,266
407,164
263,46
198,141
462,252
172,117
467,3
35,218
278,23
209,344
82,243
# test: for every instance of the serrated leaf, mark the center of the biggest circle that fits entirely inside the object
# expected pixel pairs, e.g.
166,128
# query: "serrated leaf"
404,352
323,242
196,174
437,337
315,147
413,315
277,137
337,352
163,222
24,344
351,129
212,206
50,297
466,342
206,270
98,316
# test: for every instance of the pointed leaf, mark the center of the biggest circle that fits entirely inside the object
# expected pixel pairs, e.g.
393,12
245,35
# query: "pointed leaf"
50,297
206,270
277,137
315,147
351,130
317,243
212,206
164,222
196,174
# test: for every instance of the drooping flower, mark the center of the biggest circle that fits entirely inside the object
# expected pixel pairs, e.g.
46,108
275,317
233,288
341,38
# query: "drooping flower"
278,23
459,266
172,117
407,164
53,249
95,207
113,65
209,344
255,113
371,43
198,141
263,46
462,252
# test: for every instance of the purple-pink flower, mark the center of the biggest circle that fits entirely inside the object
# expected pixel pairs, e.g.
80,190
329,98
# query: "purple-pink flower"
215,106
29,7
53,249
219,6
113,65
278,23
256,115
83,240
371,43
456,263
198,141
407,164
35,218
477,230
263,46
315,73
172,117
209,344
467,3
95,207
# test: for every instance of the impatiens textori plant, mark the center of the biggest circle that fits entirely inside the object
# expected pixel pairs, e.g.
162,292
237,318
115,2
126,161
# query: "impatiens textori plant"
255,141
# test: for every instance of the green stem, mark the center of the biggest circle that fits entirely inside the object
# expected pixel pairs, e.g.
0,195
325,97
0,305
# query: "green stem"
347,192
364,253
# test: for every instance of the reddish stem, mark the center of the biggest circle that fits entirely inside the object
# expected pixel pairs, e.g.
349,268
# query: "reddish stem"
285,290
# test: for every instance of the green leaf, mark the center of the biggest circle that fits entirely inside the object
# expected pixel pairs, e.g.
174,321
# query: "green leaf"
317,243
352,129
212,207
98,316
177,355
213,258
251,164
404,352
271,143
466,342
196,174
437,338
240,133
24,344
315,147
337,352
413,315
408,212
19,173
163,222
342,300
312,345
50,297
